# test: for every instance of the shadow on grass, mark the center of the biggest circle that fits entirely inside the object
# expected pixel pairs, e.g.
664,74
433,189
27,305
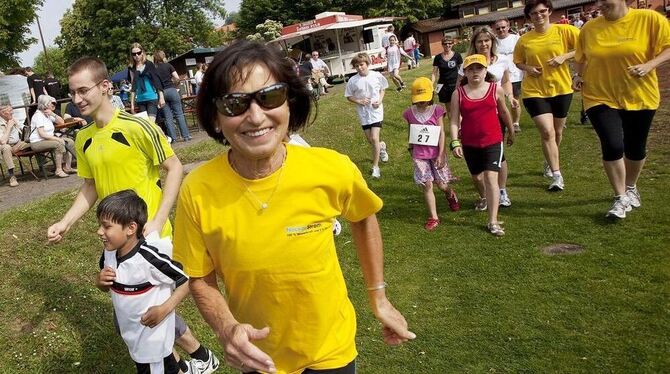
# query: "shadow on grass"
89,320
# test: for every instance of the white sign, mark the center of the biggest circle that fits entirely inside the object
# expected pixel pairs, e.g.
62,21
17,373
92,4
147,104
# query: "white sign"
14,91
190,61
424,134
209,59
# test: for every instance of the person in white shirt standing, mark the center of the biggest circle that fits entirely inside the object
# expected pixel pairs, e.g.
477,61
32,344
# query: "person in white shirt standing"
320,72
506,43
408,45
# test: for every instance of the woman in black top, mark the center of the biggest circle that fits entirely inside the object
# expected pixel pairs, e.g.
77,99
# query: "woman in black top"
172,107
146,86
445,70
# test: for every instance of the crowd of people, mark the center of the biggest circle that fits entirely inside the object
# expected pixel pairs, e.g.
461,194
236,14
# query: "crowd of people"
286,307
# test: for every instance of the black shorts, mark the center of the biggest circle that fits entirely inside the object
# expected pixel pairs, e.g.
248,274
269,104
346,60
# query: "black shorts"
516,89
445,93
350,368
170,366
557,105
481,159
368,127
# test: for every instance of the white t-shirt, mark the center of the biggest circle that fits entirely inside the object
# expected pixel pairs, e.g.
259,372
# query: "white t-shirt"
578,23
198,77
41,120
318,64
497,69
409,43
14,134
369,86
145,277
506,47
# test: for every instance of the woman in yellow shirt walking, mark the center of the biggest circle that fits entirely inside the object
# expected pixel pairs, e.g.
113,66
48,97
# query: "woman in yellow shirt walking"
617,55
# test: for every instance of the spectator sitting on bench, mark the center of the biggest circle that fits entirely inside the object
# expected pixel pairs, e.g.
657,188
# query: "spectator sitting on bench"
42,136
10,140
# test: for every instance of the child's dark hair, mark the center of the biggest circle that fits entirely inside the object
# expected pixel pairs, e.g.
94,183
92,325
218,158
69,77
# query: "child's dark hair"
124,207
488,78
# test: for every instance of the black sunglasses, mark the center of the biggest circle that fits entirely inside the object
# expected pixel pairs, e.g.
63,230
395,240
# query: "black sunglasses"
136,53
234,104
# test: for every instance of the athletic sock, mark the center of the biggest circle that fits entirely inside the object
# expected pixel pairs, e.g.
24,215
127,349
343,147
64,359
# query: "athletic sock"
630,187
557,173
182,365
200,354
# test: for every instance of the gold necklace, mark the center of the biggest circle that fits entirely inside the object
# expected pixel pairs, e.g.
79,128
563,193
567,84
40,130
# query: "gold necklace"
261,204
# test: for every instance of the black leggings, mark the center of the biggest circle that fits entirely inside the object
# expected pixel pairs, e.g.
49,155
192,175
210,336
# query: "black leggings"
621,131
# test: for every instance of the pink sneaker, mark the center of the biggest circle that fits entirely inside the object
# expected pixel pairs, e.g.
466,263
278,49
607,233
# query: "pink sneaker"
452,199
431,224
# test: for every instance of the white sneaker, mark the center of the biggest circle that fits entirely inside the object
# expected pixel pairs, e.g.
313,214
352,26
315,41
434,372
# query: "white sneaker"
557,184
504,199
517,128
481,205
376,172
495,229
634,196
383,155
337,228
620,207
547,171
204,367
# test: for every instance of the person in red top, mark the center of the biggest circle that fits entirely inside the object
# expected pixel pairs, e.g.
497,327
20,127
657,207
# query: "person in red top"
480,101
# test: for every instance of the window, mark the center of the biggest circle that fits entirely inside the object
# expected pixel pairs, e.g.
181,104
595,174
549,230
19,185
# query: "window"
517,3
501,4
574,12
483,10
467,11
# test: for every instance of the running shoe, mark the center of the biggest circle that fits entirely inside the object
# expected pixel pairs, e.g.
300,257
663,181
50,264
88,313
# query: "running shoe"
547,171
376,172
583,118
431,224
480,205
619,208
495,229
205,367
517,128
557,183
634,196
452,199
383,155
504,199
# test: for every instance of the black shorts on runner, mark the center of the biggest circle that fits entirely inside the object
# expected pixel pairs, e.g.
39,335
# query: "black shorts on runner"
445,93
481,159
368,127
170,366
557,105
516,89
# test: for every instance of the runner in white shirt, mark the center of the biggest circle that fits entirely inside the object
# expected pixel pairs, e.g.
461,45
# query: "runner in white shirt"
506,44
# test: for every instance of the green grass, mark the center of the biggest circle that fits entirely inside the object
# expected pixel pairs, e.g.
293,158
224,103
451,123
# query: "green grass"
477,303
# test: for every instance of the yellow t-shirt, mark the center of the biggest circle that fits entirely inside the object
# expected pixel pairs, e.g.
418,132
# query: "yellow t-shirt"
534,48
609,47
279,265
125,154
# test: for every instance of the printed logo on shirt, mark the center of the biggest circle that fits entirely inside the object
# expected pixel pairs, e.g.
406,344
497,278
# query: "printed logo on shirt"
306,229
424,130
451,64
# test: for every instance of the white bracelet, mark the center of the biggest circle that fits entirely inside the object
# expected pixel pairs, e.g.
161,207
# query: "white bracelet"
380,286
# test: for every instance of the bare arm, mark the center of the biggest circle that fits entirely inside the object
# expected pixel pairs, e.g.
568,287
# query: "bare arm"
364,101
82,203
642,69
9,124
174,173
455,117
504,114
234,337
157,313
435,75
368,240
560,59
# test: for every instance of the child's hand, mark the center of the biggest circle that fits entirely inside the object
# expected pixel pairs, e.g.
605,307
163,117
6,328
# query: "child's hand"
154,315
364,101
458,152
510,137
376,104
105,278
440,161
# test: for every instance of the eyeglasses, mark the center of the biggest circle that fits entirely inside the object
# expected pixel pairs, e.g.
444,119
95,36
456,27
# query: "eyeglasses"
136,53
501,28
234,104
450,44
539,11
84,90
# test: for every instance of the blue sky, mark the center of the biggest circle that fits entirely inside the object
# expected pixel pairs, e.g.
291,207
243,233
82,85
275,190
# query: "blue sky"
51,13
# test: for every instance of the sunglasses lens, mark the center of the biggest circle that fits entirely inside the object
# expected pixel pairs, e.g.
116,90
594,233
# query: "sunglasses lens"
273,96
232,105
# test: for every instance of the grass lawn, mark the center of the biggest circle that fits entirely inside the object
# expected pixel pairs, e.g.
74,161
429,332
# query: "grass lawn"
477,303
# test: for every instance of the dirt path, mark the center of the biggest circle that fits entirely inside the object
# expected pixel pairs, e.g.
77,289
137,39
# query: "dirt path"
30,190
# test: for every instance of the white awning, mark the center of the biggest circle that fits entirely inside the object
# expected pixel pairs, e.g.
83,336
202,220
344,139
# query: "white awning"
337,25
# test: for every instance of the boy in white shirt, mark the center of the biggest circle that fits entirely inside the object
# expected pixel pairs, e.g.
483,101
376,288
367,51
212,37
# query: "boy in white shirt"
366,90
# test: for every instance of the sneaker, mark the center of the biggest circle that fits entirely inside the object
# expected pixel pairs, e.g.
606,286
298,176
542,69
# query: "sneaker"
584,118
399,88
169,140
431,224
204,367
557,183
495,229
383,155
452,199
547,171
13,182
620,207
376,172
480,205
504,199
517,128
337,228
631,192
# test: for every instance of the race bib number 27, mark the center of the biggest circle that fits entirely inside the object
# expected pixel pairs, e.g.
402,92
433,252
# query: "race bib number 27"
424,134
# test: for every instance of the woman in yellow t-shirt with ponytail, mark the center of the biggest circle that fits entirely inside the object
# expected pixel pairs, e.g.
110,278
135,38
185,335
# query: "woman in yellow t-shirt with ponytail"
617,55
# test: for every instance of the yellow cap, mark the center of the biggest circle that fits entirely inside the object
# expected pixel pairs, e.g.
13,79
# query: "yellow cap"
422,90
475,59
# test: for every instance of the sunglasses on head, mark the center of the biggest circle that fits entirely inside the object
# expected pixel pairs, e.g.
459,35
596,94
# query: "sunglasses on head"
136,53
234,104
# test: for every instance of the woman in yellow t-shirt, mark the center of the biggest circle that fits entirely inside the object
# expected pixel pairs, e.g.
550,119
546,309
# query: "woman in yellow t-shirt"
617,55
259,218
546,87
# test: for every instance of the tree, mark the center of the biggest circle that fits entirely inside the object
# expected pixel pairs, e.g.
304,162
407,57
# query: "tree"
266,31
57,64
15,19
107,28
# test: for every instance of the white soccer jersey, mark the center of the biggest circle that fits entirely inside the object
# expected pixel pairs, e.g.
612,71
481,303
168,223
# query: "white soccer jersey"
145,277
368,86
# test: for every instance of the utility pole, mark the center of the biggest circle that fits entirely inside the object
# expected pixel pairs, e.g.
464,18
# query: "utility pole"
46,57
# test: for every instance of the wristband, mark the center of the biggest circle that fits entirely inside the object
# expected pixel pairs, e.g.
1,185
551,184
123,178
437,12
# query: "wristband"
380,286
454,144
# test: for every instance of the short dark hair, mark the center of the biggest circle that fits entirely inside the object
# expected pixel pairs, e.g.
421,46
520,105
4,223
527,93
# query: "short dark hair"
232,65
95,65
124,207
361,57
530,4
